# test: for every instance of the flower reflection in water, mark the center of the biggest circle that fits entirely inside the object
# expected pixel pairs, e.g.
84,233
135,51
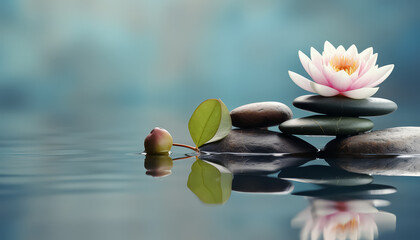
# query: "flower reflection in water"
354,219
158,165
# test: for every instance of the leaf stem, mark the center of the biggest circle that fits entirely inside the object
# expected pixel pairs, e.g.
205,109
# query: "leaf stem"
185,146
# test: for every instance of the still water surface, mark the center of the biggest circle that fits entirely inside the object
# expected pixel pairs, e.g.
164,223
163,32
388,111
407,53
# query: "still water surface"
64,183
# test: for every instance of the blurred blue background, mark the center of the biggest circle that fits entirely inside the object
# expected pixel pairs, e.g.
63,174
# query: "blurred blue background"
75,61
83,82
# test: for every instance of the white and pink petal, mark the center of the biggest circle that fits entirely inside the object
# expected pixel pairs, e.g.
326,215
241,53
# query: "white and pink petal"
369,64
360,93
369,77
324,90
384,72
352,52
354,76
317,75
316,58
373,77
328,48
301,81
340,80
305,60
340,50
367,53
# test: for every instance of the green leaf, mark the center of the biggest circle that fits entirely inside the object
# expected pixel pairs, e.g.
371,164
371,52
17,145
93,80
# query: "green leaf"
211,183
210,122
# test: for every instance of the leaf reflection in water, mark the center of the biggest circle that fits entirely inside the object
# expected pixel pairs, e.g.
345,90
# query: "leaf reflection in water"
210,182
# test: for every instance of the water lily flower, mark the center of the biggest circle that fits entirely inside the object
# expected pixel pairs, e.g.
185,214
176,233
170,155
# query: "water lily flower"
341,72
354,219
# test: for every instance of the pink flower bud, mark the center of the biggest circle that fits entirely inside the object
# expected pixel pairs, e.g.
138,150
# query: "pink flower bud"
159,141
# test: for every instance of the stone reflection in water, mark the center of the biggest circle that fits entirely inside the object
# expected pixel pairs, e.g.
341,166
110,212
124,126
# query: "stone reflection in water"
261,184
251,151
258,163
158,165
325,175
259,141
210,182
349,219
398,140
355,192
391,165
391,151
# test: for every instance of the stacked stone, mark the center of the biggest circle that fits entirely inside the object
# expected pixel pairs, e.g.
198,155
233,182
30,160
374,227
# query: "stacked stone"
260,115
253,136
341,115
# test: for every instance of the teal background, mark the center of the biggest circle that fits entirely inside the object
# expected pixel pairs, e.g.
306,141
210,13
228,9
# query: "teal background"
83,82
72,59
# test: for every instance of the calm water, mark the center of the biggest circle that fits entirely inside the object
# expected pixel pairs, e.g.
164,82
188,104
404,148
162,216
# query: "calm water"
61,181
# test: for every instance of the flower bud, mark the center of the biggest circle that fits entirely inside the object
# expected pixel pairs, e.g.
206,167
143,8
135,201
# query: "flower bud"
159,141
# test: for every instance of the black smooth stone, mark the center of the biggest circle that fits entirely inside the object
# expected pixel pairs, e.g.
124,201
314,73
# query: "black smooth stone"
390,165
362,191
344,106
259,141
325,175
260,184
399,140
326,125
257,163
260,115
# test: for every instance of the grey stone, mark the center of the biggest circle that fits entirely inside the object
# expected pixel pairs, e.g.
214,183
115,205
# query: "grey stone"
259,141
326,125
260,184
390,165
398,140
260,115
351,192
258,163
344,106
325,175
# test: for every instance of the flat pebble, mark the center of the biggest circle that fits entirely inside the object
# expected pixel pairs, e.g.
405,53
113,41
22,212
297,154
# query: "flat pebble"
343,106
326,125
260,115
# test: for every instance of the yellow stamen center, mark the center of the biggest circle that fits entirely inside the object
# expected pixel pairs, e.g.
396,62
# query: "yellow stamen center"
351,225
349,65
